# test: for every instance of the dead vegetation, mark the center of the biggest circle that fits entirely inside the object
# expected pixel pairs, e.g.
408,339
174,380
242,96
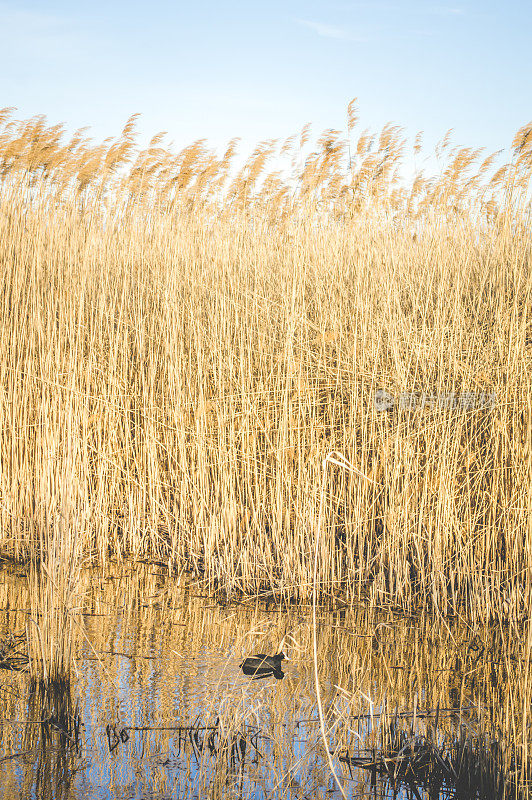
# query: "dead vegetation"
182,343
460,766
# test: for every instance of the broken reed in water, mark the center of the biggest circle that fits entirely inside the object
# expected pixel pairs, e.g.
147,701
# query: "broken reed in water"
54,576
210,335
53,594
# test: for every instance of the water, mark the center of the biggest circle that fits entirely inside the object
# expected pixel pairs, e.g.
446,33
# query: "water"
158,690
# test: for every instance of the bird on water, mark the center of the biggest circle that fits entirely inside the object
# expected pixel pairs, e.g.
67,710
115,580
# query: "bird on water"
262,666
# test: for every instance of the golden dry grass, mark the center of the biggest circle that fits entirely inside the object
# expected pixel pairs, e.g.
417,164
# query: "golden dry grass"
183,344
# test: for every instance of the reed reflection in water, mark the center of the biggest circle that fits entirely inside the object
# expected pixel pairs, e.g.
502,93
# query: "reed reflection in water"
160,707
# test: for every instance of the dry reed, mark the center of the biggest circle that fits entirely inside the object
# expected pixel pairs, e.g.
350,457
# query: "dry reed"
195,341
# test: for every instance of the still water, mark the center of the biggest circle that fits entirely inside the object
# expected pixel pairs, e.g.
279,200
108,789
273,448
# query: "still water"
163,709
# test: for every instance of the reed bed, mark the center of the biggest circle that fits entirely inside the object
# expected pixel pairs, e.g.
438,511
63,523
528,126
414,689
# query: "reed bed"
188,341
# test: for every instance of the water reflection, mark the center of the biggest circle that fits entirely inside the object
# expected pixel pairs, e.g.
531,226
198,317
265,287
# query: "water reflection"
164,709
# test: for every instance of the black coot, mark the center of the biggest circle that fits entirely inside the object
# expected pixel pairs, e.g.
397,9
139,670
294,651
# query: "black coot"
262,666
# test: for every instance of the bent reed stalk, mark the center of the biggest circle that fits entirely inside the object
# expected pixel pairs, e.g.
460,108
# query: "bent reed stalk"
211,334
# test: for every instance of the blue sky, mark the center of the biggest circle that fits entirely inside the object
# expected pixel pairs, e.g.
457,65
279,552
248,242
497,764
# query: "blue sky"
216,69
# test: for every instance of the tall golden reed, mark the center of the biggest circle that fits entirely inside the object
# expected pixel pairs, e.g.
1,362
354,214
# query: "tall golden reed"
198,338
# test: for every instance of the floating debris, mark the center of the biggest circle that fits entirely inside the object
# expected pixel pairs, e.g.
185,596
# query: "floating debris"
467,763
14,653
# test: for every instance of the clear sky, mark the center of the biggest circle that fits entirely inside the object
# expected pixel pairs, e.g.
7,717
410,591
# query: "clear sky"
221,68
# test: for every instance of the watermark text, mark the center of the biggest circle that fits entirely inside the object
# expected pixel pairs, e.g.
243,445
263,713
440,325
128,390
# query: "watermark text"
411,401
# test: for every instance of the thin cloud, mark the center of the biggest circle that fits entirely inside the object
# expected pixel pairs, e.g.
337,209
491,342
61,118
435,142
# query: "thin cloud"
446,11
373,5
34,22
36,36
329,31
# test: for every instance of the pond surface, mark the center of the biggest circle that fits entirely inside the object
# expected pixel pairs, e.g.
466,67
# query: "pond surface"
166,712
